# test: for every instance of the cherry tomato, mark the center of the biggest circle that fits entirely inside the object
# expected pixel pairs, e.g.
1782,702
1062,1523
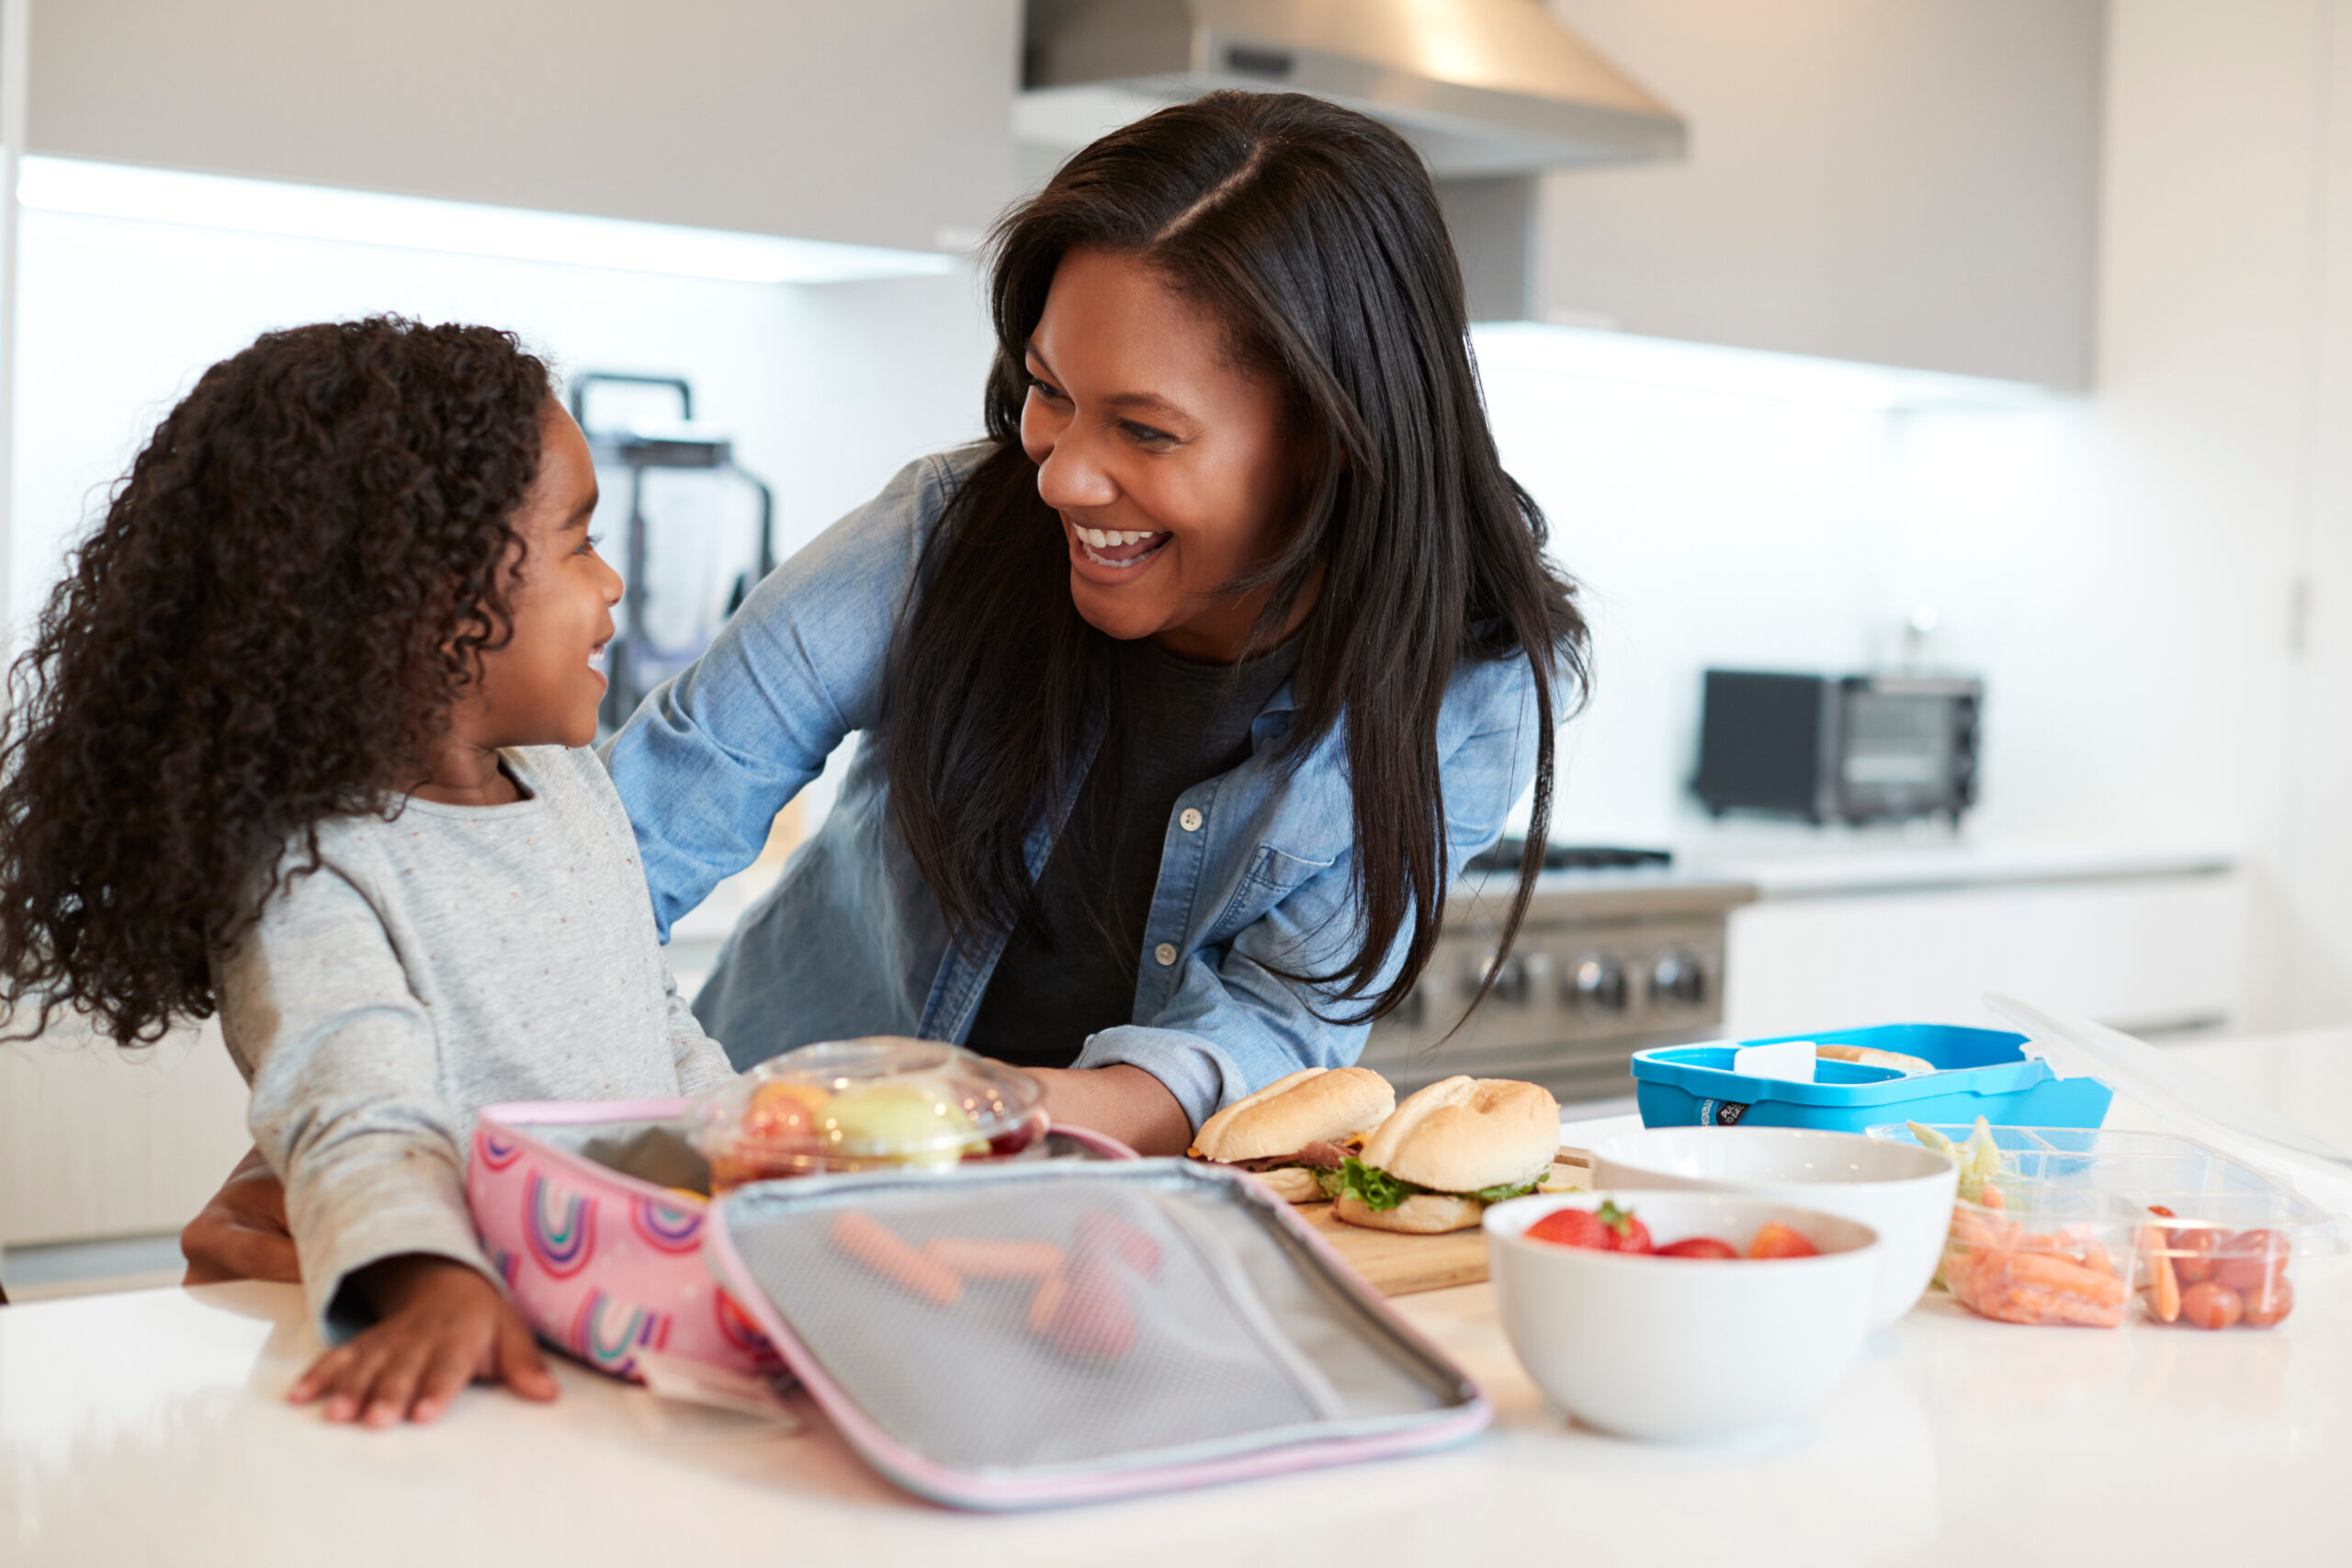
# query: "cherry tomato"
2211,1305
2251,1262
2192,1255
1101,1230
1698,1247
1087,1318
1573,1227
2270,1304
1774,1239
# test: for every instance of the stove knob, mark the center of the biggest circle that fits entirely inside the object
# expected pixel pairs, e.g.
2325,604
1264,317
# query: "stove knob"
1510,978
1424,1003
1679,978
1597,984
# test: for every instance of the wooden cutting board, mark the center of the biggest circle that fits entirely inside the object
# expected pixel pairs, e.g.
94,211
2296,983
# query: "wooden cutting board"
1399,1265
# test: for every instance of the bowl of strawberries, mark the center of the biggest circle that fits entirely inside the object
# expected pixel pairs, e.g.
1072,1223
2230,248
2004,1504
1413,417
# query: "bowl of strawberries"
1680,1316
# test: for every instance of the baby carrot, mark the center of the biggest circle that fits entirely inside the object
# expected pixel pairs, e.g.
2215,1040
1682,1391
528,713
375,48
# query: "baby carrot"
975,1259
873,1243
1047,1301
2164,1285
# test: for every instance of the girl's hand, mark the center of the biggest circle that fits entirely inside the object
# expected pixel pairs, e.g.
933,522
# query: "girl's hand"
442,1326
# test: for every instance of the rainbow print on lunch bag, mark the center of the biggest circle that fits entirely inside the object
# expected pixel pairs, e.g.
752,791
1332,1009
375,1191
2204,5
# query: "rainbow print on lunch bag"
606,1267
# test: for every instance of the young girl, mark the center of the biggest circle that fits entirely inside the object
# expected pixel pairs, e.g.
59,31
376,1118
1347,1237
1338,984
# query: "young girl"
301,739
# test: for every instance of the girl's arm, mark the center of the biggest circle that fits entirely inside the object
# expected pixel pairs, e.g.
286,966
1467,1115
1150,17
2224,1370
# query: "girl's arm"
710,757
347,1107
702,1064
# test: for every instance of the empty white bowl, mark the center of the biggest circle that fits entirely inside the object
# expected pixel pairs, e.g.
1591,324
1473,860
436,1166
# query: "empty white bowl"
1900,1190
1680,1349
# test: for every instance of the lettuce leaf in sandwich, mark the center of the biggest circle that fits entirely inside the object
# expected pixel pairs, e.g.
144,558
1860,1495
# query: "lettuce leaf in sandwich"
1377,1189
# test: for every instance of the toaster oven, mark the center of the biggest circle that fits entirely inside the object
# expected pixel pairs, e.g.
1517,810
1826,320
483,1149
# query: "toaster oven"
1831,748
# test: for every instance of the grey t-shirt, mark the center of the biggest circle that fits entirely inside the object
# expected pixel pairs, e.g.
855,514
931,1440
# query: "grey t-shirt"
445,960
1173,725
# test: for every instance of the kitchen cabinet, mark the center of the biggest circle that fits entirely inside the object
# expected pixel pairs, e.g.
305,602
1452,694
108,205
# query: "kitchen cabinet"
96,1143
2315,964
883,122
2156,949
1903,182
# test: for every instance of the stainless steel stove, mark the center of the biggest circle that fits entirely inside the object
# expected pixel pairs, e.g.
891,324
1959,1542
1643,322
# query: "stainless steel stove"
1619,953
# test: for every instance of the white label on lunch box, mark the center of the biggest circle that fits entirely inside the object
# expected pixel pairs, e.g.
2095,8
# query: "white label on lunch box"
1789,1059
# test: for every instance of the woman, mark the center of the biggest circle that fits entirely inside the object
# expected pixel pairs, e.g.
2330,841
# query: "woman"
1182,694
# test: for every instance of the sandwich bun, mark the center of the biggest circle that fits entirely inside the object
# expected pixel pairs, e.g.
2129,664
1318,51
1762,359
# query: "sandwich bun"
1424,1214
1318,1104
1293,1184
1872,1056
1463,1134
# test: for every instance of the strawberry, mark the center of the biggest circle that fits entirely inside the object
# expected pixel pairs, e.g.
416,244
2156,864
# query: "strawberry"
1774,1239
1573,1227
1631,1234
1698,1247
1607,1229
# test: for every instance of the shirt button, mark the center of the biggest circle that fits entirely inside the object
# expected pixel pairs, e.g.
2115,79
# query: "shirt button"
1190,821
1165,952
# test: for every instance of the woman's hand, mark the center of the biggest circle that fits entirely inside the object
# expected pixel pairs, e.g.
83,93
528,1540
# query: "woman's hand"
441,1327
1121,1101
241,1233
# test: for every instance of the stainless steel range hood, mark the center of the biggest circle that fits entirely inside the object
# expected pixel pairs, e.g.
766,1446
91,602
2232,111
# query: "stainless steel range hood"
1482,87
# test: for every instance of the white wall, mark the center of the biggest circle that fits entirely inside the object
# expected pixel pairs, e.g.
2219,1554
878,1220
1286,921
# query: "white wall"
827,388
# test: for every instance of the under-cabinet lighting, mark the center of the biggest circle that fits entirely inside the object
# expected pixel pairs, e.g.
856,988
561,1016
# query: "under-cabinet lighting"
323,213
1590,353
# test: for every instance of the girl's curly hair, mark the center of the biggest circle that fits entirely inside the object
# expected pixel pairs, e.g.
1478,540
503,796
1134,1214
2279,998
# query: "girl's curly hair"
273,619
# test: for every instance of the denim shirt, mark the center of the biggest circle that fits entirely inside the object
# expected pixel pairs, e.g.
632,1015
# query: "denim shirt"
851,942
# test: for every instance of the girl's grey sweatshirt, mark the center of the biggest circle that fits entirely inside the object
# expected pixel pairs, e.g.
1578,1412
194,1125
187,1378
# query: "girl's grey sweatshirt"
451,958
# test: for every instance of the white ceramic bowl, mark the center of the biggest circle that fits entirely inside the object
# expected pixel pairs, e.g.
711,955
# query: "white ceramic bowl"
1680,1349
1900,1190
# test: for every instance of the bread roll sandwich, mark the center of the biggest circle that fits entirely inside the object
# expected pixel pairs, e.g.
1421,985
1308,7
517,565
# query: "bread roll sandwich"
1449,1150
1296,1126
1872,1056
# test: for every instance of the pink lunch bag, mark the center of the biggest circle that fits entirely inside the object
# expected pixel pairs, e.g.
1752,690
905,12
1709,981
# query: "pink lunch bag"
605,1264
579,1206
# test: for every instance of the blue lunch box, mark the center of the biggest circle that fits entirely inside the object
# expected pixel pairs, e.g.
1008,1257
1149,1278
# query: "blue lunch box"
1980,1072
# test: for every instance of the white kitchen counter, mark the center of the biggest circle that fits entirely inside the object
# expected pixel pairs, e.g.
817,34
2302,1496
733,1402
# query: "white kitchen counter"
1858,862
148,1428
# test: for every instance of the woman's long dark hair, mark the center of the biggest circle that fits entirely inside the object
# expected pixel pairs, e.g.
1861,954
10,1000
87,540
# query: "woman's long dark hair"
273,618
1315,235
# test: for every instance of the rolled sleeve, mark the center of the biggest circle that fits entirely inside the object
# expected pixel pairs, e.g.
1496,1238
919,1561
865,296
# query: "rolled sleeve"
712,755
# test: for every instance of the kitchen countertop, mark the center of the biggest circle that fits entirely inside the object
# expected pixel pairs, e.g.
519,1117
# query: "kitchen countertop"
148,1427
1844,862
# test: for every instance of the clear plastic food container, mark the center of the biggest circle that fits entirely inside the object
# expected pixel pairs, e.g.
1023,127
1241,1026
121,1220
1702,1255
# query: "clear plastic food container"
868,1104
2186,1235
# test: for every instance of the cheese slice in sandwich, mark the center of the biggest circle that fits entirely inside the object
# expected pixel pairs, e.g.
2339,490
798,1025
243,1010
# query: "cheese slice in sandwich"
1297,1126
1449,1150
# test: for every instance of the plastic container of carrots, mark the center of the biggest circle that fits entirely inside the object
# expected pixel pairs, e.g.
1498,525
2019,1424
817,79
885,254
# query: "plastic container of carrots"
2042,1254
2097,1228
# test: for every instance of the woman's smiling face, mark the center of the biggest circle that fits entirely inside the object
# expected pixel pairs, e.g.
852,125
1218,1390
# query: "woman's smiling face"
1172,468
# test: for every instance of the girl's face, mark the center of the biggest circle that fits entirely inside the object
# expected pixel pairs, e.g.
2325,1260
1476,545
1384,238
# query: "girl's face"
543,687
1171,465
